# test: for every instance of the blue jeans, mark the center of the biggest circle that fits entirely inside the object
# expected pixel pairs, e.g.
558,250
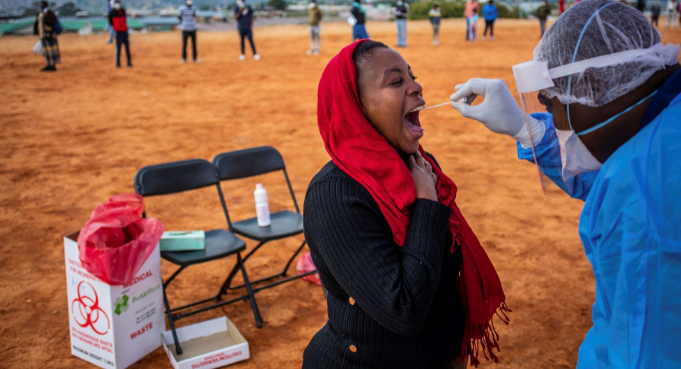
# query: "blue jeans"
468,29
542,25
401,32
359,32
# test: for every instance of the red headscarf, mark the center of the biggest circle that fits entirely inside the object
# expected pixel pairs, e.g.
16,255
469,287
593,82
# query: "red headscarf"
366,156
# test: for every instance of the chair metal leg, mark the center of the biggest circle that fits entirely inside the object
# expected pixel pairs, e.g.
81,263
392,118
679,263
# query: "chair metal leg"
251,296
178,349
283,273
228,281
227,286
167,282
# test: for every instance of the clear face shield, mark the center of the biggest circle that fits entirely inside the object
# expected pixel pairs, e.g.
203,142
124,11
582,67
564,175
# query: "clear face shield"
566,161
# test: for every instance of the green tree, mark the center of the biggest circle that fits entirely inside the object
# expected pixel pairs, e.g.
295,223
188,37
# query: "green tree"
67,10
277,4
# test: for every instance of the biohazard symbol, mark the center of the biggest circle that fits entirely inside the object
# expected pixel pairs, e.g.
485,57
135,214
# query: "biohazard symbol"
86,311
121,305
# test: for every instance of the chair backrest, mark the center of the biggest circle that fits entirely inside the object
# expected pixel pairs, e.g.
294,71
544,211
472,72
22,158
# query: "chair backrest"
249,162
178,176
252,162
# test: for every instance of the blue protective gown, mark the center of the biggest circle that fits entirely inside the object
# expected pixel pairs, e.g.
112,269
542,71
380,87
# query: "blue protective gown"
631,230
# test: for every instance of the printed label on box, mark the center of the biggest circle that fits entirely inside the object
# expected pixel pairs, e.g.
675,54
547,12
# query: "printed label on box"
114,326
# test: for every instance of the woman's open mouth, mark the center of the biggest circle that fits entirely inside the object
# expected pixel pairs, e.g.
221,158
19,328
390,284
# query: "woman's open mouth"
413,123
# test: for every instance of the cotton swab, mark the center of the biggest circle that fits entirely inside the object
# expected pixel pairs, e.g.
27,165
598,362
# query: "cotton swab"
430,107
463,100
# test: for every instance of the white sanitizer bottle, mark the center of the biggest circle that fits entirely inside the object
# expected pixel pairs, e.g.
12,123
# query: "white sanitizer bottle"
262,208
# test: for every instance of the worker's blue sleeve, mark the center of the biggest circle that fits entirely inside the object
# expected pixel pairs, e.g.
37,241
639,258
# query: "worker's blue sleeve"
548,156
631,230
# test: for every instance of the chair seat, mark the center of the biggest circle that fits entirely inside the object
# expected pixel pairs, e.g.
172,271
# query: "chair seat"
219,243
284,224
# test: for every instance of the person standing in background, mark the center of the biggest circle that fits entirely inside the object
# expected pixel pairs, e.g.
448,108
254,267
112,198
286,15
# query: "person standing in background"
109,6
489,12
655,14
359,32
244,17
671,13
468,13
474,24
187,18
315,16
435,16
561,6
543,13
119,23
641,5
44,27
401,13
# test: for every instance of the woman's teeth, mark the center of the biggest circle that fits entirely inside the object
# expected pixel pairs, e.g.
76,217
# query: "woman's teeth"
419,108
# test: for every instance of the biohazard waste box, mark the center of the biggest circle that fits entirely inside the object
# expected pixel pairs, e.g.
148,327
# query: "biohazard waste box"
113,326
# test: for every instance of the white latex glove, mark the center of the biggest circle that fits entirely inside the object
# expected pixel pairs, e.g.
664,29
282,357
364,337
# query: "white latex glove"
498,111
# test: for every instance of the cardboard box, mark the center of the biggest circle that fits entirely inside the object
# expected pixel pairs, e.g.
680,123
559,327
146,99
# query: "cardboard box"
113,326
183,241
210,344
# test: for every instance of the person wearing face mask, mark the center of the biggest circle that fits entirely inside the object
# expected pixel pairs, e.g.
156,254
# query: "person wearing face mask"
468,13
244,17
315,16
118,21
401,14
542,13
600,116
109,27
187,15
358,12
409,285
44,27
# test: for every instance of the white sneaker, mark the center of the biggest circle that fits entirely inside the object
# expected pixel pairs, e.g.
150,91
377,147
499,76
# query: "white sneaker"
309,52
484,38
182,61
242,57
492,38
197,60
316,52
256,57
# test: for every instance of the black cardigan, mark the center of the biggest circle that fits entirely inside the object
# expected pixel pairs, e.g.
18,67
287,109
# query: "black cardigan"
388,306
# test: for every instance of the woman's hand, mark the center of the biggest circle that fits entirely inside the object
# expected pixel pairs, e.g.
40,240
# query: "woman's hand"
424,178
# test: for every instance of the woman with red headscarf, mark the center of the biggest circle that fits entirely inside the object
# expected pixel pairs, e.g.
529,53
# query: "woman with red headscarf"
409,285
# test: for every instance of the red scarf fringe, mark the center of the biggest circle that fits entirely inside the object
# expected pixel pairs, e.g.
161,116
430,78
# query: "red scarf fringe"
483,337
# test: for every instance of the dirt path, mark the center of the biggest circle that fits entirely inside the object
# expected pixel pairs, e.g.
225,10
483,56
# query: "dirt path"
70,140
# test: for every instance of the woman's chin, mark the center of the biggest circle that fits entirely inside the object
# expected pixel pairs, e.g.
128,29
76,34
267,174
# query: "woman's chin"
410,147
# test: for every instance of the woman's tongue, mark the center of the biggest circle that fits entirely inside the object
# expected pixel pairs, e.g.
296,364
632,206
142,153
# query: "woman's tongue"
413,123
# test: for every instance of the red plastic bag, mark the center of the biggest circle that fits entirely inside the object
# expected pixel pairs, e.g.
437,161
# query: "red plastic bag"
116,241
305,265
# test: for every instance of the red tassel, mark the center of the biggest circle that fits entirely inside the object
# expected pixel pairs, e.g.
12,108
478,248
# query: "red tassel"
488,338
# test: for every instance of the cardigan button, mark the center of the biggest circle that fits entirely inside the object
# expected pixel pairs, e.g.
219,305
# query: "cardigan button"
353,348
352,301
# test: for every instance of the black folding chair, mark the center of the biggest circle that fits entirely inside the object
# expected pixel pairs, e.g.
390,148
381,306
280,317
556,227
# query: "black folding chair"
248,163
183,176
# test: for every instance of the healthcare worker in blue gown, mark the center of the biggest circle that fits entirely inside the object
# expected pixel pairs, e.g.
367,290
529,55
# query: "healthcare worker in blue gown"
608,133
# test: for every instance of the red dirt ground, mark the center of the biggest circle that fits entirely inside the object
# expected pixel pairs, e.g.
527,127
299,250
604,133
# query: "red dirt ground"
72,139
